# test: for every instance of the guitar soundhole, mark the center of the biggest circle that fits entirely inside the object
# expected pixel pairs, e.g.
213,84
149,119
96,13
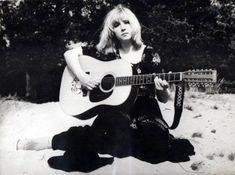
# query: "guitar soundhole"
107,82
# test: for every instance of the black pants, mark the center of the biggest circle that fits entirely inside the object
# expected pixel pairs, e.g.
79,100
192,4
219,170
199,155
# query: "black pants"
114,133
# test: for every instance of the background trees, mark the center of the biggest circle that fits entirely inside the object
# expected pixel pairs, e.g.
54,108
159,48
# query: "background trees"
33,34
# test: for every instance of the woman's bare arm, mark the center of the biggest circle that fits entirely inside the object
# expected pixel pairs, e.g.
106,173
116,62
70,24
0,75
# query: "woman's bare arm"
72,57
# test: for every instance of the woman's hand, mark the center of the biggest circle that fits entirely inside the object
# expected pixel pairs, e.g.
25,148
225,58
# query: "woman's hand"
72,57
160,84
162,92
88,81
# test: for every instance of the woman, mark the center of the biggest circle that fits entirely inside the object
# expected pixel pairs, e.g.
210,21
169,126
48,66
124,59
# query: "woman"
140,130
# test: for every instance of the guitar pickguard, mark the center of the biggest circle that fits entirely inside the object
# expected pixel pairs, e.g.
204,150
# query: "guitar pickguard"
96,95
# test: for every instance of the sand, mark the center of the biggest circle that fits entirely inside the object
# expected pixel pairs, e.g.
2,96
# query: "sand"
207,122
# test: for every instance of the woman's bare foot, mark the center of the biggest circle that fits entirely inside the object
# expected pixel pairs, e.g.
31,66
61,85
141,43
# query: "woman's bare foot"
34,144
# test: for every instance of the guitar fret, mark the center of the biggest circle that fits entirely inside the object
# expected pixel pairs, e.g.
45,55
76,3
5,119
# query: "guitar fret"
163,76
136,80
149,79
124,80
127,82
120,81
152,78
171,76
160,76
144,77
141,79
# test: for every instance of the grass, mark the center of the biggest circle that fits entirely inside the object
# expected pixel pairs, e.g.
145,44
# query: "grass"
197,134
210,156
197,116
188,107
197,165
231,156
10,97
221,154
213,131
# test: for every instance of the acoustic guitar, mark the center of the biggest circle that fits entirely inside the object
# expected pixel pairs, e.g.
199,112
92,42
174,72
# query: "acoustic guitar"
116,85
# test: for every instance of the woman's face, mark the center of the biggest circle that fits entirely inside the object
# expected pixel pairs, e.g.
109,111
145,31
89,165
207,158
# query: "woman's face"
122,30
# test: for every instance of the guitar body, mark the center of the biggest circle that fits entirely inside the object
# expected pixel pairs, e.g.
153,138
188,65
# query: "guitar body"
77,101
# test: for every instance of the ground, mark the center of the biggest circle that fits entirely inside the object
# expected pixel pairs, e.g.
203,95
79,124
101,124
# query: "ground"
207,122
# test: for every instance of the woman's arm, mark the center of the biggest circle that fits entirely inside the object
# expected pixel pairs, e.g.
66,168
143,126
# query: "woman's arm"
72,57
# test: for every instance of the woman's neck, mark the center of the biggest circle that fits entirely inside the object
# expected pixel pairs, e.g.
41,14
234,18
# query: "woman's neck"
126,47
131,54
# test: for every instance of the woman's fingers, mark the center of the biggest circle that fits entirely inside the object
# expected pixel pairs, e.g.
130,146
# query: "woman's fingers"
90,83
165,84
157,83
160,84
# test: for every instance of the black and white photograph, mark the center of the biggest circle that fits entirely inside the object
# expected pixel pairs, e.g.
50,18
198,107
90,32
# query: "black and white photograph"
125,87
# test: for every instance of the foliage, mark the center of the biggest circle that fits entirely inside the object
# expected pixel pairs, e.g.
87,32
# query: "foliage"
188,34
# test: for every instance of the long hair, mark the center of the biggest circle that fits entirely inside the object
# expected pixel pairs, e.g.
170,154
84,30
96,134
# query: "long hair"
108,41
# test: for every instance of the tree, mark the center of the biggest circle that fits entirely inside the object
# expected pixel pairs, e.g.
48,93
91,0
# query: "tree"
188,33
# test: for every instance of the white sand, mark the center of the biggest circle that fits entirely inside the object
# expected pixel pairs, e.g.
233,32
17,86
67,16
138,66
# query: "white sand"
211,116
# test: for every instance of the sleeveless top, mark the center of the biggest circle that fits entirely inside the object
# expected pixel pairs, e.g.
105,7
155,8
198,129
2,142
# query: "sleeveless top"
146,102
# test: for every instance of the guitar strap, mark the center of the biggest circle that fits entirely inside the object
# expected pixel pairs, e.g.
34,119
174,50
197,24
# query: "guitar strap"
178,104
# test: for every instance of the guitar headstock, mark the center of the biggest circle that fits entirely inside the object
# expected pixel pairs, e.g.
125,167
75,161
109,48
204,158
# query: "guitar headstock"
200,76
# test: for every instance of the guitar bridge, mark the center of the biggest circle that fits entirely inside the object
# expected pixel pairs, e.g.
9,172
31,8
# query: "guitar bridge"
84,91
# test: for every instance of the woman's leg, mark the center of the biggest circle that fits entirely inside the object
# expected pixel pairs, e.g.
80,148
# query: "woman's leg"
151,140
111,133
69,140
75,138
36,144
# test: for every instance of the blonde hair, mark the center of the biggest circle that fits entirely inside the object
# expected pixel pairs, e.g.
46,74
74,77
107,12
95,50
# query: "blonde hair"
108,40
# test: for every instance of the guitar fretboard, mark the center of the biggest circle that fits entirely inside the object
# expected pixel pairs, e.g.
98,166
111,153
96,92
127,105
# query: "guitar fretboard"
148,78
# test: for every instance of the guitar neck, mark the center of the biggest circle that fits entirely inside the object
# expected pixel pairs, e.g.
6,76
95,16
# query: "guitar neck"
148,78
